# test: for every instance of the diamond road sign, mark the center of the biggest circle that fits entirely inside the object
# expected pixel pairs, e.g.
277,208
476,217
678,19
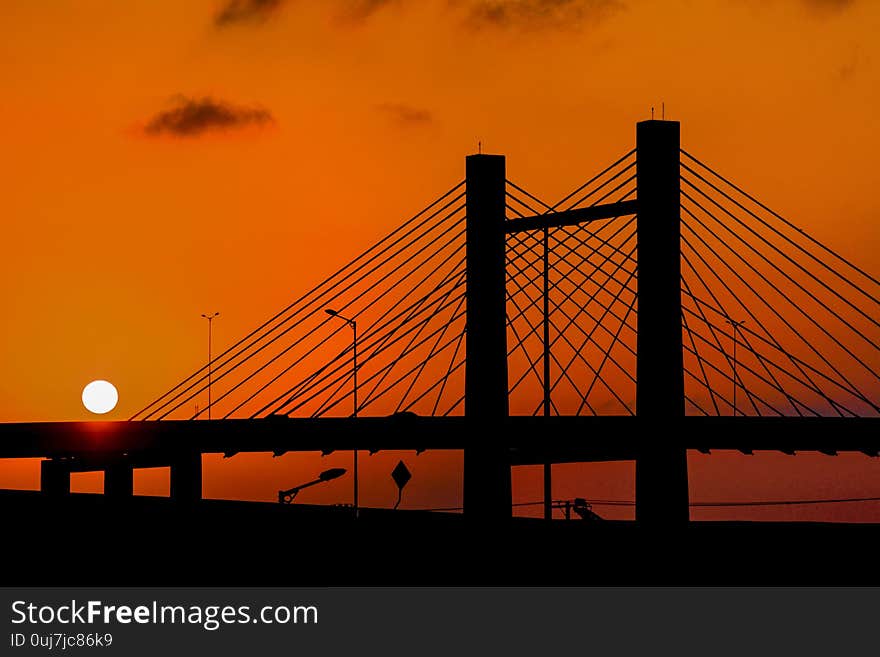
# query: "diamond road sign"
401,475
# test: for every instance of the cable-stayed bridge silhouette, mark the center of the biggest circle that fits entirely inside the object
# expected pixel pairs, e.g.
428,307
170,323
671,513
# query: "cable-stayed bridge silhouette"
659,307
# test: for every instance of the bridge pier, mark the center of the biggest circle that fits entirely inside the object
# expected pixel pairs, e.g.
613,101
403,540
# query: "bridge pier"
661,470
119,480
54,477
185,484
186,477
487,492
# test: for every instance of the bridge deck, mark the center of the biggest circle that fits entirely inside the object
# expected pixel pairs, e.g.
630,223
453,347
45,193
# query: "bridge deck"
532,440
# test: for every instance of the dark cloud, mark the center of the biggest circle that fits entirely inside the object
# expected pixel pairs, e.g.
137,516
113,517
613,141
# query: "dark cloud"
191,117
258,11
537,14
246,11
519,14
818,8
829,6
358,11
522,14
405,114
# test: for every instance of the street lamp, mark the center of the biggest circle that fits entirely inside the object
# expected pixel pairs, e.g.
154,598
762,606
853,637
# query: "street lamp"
287,496
210,319
735,324
353,324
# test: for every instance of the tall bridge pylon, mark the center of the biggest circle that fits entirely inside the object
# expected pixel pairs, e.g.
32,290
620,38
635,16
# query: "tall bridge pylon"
661,471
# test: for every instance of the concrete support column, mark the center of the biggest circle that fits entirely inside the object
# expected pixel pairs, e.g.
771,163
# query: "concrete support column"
119,480
186,477
661,469
487,464
54,477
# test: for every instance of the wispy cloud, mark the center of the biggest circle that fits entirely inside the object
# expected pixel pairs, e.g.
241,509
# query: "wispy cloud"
829,6
852,65
259,11
817,8
246,11
519,14
499,14
358,11
403,114
539,14
192,117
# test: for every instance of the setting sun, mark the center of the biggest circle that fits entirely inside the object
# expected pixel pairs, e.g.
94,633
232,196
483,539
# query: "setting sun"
100,397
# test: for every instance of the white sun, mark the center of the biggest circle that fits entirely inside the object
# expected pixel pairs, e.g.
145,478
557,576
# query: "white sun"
100,397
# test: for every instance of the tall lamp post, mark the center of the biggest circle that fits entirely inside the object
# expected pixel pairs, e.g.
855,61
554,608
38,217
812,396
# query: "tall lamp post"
210,319
735,324
353,324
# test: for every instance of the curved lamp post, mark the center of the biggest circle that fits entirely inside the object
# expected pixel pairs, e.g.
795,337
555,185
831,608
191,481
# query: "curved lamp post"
287,496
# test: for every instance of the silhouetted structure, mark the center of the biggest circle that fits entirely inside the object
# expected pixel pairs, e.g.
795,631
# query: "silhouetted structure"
510,236
486,464
661,471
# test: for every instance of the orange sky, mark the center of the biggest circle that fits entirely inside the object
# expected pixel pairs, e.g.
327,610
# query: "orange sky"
116,239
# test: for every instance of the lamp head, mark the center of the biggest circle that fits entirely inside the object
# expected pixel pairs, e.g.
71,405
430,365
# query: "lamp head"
332,473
